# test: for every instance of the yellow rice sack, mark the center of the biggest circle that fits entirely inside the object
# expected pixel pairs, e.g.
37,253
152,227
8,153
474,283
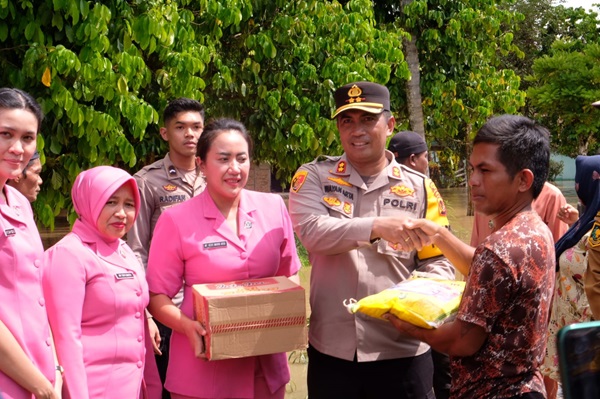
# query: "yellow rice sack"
423,301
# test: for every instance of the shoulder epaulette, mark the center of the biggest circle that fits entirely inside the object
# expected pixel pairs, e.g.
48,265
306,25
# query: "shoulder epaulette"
326,158
406,169
155,165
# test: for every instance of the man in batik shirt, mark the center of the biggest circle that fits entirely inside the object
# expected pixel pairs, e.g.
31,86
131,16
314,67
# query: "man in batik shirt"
497,341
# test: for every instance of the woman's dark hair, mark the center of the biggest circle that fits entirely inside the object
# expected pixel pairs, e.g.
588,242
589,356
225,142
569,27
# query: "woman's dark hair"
11,98
216,127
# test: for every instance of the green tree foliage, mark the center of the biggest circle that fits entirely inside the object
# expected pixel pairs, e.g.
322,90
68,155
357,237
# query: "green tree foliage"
565,80
556,168
571,25
534,33
564,84
103,72
460,44
463,83
542,24
276,70
554,69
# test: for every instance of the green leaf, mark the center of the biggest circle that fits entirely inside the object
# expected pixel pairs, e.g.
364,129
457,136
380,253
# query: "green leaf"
3,31
57,21
84,8
30,30
58,4
74,12
56,180
122,85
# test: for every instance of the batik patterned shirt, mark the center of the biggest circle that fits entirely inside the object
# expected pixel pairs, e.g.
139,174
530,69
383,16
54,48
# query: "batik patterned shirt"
508,293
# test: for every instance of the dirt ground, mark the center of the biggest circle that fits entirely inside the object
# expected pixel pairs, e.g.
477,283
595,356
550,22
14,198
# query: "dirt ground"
298,361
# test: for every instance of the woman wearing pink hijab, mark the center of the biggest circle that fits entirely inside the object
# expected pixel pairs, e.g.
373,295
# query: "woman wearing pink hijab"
96,292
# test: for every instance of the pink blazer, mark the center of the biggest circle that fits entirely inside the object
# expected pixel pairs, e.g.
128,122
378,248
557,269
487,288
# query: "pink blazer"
96,294
192,243
23,308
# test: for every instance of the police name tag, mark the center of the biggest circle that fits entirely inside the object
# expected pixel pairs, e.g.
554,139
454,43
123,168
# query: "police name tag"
217,244
123,276
10,232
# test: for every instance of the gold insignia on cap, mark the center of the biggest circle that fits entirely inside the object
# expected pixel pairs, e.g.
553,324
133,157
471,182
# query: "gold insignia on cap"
354,94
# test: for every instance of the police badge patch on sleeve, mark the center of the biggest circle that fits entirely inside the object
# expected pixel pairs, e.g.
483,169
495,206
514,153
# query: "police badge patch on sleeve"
298,180
594,239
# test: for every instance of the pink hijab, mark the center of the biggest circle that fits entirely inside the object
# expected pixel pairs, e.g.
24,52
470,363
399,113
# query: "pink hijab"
93,187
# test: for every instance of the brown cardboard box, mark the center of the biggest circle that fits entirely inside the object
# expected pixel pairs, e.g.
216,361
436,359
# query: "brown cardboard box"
251,317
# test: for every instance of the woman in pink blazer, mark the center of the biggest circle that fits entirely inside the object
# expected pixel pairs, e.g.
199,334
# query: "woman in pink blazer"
27,366
226,233
96,292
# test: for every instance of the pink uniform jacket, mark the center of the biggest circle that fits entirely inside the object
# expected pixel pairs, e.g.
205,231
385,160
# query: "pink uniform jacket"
22,308
192,243
96,295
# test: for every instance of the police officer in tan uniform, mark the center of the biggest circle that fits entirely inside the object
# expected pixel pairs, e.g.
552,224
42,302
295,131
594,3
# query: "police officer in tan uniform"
410,149
592,275
165,183
349,212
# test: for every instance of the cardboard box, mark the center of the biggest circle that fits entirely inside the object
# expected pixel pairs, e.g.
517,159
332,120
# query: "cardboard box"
251,317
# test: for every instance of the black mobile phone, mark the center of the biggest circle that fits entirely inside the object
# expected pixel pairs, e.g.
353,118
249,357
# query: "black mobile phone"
579,360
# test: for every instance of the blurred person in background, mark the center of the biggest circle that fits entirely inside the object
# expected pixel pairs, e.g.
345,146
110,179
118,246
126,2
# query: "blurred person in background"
578,264
163,184
30,181
410,149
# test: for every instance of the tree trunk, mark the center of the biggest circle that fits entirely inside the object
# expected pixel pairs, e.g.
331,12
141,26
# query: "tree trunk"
413,87
583,144
468,150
